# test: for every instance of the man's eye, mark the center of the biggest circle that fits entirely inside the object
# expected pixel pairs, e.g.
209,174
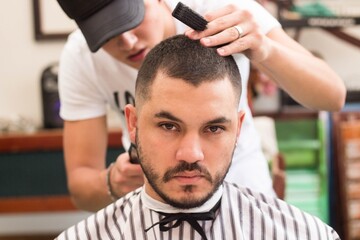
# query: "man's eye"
215,129
168,126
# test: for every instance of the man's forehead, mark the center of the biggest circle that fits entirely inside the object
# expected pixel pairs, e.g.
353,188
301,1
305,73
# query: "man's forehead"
180,101
162,79
165,86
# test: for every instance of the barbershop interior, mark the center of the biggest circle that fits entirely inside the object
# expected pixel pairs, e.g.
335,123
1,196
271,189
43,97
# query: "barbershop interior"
313,155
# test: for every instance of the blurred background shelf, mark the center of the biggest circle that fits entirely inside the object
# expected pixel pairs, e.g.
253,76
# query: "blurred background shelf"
346,125
302,143
318,13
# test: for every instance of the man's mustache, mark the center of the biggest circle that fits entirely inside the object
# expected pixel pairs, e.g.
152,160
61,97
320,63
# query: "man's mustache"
185,166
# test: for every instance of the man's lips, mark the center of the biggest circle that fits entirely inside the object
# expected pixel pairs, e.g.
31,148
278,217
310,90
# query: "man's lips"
188,178
140,55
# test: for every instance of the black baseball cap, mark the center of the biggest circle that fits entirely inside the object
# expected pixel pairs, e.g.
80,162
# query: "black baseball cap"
100,20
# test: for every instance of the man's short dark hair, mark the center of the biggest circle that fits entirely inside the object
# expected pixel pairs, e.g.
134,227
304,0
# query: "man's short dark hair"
183,58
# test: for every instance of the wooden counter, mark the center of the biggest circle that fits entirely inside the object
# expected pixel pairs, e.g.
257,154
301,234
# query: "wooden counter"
44,140
32,167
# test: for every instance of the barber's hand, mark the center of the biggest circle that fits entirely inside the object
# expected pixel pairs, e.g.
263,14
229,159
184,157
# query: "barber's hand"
125,176
220,30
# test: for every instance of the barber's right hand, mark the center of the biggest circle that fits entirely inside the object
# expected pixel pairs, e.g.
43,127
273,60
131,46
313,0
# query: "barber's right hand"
125,176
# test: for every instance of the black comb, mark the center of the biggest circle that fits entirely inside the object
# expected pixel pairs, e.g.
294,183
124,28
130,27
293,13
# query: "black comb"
189,17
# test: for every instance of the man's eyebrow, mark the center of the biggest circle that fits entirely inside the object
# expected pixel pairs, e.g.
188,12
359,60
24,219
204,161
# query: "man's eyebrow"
165,114
219,120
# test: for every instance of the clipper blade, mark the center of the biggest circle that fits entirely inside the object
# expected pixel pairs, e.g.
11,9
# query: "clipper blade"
189,17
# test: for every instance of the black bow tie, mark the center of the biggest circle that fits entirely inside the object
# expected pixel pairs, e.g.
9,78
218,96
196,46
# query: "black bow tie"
191,218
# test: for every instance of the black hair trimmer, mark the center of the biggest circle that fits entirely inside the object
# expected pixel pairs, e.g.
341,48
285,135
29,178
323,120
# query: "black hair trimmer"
134,159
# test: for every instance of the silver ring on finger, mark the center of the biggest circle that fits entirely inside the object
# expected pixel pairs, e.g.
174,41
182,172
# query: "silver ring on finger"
240,31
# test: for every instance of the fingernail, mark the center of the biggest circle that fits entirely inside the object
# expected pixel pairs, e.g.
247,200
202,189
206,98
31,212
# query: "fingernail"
206,41
191,33
221,51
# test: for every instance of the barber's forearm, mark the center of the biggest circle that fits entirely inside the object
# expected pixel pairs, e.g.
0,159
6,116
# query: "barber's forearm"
309,80
88,189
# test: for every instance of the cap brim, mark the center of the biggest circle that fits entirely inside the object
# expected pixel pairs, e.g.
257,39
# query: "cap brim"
117,17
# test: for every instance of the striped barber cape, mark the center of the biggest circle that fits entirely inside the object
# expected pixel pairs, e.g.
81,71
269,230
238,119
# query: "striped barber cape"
243,214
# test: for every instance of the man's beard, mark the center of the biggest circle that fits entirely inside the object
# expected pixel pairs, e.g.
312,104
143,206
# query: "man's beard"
188,201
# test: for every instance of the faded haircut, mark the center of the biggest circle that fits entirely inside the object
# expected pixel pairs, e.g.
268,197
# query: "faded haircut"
186,59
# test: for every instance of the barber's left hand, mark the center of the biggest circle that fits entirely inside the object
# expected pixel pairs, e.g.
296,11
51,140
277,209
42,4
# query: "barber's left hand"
221,31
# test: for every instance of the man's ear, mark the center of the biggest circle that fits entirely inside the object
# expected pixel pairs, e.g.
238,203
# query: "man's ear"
131,121
241,115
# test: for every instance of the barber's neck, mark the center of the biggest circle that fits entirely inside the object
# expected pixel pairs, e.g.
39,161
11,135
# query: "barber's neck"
169,21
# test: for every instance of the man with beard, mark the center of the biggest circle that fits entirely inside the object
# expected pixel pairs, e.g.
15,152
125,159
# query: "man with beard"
184,129
101,59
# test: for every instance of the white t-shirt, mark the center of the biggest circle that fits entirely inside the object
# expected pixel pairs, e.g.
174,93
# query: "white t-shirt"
89,81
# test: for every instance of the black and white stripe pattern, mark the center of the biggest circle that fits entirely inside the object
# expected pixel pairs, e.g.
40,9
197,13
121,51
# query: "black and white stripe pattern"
243,214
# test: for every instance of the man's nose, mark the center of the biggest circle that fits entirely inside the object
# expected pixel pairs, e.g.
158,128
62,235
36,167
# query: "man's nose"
127,40
190,149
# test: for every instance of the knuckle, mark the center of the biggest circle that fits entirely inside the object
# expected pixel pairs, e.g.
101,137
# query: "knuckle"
238,13
240,45
209,16
258,37
231,7
247,14
220,22
233,32
254,26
